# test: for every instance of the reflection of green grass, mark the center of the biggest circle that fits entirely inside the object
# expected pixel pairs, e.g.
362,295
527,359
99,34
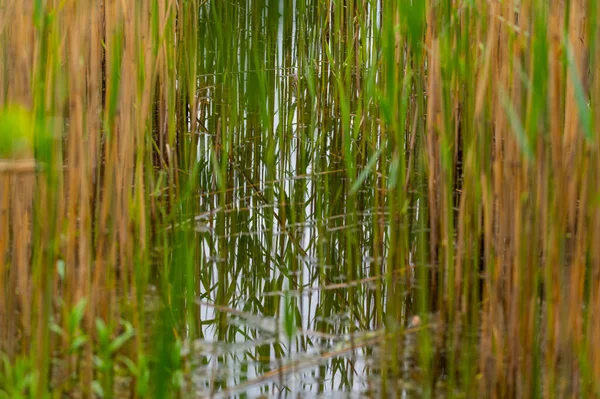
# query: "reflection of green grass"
16,132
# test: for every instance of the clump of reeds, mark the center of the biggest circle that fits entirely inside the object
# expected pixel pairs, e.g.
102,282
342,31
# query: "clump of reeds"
452,143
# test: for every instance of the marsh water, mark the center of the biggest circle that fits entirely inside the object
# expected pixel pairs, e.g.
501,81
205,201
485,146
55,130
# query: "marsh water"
294,276
284,318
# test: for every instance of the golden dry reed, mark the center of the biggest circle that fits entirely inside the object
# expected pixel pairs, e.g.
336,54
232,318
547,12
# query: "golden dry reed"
75,227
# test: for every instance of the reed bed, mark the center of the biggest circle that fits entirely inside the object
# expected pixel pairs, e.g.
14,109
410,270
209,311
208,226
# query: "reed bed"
179,179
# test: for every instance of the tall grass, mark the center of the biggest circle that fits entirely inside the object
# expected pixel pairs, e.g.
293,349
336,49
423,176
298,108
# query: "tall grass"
334,166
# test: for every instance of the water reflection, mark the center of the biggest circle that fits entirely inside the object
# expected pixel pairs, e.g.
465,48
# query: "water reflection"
294,293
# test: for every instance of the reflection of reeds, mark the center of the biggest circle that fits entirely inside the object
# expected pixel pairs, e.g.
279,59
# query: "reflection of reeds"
472,124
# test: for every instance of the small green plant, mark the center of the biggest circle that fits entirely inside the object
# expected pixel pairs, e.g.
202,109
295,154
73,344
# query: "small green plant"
106,354
140,370
17,379
73,335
